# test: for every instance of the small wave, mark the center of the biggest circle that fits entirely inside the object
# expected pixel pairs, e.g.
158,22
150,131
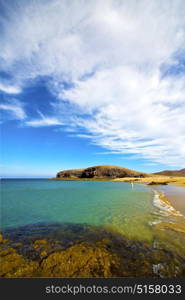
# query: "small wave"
151,223
164,206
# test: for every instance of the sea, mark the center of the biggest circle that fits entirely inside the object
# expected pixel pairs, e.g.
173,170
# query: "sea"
133,210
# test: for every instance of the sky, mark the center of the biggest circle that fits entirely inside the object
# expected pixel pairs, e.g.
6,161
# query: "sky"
92,82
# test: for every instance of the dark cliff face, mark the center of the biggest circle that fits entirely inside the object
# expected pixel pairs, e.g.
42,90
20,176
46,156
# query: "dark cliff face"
100,172
77,173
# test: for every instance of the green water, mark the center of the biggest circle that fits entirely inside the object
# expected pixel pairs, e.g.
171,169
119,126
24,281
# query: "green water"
114,205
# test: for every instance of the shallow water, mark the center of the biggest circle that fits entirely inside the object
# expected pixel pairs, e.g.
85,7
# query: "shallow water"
72,250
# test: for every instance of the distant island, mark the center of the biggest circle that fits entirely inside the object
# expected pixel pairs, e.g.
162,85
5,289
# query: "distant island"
103,171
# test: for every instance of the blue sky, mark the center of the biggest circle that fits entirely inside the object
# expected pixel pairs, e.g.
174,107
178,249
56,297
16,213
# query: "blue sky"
88,83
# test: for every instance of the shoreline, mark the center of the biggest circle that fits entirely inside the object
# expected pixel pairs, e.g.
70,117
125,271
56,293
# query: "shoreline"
163,187
163,204
174,199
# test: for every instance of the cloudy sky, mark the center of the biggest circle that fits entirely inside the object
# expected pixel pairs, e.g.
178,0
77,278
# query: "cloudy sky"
91,82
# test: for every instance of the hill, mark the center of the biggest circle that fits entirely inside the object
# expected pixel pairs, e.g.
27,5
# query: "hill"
179,173
104,171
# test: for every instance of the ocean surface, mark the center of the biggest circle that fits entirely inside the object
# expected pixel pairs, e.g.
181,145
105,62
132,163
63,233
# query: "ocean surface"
118,206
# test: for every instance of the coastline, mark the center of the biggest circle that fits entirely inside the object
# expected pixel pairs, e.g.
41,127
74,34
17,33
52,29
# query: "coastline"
166,189
162,202
155,179
173,219
173,196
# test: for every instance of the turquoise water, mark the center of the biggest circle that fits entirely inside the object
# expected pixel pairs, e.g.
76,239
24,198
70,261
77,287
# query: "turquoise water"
114,205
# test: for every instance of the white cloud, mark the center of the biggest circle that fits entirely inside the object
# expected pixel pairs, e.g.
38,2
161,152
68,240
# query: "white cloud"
14,109
43,121
113,54
9,89
141,115
71,38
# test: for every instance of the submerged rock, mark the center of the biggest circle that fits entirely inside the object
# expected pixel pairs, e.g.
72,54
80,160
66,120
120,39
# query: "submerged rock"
81,260
95,252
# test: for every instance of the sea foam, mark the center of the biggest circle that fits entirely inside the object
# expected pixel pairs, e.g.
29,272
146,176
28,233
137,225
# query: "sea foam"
165,208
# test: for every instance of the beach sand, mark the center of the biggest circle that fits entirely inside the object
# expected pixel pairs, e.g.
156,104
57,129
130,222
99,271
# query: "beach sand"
178,181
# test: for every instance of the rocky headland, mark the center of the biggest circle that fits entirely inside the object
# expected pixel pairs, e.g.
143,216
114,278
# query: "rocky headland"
103,171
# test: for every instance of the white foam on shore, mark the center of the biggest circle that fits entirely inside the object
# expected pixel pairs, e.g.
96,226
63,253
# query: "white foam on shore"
151,223
164,207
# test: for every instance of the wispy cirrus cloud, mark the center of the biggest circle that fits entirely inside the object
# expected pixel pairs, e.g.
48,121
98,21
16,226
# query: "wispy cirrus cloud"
43,121
13,109
9,89
115,68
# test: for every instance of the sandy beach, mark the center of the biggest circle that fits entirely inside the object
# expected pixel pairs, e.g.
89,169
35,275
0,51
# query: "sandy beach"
155,179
